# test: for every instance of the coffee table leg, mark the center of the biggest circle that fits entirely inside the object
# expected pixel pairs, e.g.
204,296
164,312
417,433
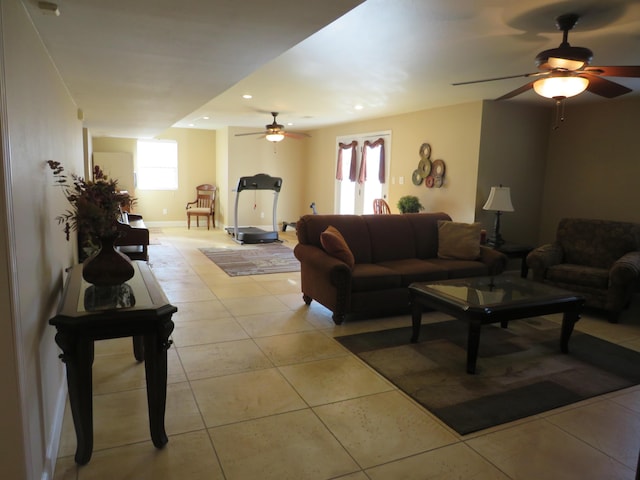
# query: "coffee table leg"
416,319
569,319
473,343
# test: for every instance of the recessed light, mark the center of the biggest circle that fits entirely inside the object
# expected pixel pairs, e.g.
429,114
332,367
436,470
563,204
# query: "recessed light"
192,124
246,96
205,118
358,107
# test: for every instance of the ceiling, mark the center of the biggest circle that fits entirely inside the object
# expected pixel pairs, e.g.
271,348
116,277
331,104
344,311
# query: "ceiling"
135,68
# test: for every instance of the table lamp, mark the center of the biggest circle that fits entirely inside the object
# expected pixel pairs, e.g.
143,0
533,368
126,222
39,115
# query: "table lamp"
499,201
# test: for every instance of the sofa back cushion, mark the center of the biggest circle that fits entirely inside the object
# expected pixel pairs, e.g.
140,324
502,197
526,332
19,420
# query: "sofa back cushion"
425,232
460,241
391,237
596,243
352,227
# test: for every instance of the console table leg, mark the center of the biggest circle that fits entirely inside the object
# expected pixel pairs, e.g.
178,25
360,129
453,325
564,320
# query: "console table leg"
78,357
155,363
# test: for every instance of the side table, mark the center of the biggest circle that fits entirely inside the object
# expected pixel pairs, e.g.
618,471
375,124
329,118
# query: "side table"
137,309
513,250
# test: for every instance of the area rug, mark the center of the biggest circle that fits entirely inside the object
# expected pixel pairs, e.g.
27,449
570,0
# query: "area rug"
520,370
254,260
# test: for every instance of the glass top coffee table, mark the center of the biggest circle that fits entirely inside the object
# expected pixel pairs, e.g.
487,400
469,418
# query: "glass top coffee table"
483,300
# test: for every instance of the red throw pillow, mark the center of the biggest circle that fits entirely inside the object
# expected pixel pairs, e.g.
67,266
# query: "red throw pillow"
334,244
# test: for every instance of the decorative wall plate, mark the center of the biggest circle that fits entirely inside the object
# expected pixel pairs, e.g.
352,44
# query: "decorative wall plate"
437,168
425,151
417,177
424,167
429,181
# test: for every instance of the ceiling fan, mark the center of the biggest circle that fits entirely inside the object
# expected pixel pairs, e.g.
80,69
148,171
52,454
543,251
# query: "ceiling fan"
565,71
274,132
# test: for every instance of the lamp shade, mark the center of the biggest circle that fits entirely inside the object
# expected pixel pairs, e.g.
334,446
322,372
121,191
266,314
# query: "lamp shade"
499,200
274,137
560,86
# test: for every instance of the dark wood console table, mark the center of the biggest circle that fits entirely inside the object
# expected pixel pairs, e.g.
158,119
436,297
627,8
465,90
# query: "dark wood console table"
137,309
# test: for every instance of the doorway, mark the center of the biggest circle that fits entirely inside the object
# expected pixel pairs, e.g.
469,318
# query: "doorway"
362,168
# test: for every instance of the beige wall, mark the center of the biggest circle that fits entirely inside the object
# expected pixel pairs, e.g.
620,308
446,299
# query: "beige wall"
454,135
593,165
196,165
513,150
250,155
41,125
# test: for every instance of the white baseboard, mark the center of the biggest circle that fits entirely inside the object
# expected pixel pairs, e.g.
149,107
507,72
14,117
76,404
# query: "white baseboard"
53,445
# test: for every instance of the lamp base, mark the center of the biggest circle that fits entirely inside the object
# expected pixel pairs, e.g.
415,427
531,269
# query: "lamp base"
496,240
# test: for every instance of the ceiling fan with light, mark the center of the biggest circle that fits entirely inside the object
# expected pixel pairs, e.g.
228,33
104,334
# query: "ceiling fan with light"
274,132
565,71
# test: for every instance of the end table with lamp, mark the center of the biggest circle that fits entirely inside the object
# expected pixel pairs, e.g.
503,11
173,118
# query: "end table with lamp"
499,201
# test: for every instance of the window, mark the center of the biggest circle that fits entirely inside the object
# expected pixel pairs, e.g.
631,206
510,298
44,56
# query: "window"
361,171
157,165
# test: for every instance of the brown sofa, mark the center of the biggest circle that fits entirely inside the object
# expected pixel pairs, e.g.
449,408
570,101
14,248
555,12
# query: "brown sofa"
390,252
599,259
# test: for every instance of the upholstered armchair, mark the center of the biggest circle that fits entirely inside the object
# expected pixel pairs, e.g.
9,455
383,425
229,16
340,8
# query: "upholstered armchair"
599,259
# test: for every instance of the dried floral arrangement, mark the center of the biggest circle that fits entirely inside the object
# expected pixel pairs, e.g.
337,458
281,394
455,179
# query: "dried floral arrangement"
95,204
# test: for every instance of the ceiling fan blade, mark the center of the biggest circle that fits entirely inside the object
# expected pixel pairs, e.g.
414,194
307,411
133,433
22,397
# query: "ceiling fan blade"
617,71
251,133
606,88
296,135
517,91
500,78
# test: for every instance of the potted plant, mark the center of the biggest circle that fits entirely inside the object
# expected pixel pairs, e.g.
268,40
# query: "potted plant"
409,204
95,208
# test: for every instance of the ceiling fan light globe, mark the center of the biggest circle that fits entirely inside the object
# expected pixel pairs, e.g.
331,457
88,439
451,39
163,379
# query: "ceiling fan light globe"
274,137
560,86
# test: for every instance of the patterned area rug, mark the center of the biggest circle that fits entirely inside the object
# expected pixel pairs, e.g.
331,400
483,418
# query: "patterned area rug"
255,260
520,370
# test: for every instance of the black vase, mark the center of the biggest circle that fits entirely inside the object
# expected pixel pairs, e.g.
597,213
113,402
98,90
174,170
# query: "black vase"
107,266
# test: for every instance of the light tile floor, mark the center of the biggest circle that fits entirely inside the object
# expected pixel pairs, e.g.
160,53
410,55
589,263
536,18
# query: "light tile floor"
259,389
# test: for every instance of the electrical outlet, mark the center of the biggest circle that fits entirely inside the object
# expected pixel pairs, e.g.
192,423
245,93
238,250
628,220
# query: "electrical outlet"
261,214
401,180
164,211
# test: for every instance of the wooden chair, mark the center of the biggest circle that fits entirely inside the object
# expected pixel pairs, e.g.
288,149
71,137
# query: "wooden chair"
203,205
380,207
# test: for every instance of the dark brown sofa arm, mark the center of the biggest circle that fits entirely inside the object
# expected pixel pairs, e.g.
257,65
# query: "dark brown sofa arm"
544,257
496,261
323,265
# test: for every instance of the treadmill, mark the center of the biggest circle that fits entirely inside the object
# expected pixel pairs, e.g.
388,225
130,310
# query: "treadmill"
242,235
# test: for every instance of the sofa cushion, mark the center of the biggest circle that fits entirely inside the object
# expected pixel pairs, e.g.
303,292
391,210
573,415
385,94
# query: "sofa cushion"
391,237
335,245
371,276
416,270
568,273
425,231
462,268
459,241
352,227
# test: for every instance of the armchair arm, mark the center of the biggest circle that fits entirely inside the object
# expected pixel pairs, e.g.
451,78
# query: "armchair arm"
496,261
544,257
191,203
625,270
